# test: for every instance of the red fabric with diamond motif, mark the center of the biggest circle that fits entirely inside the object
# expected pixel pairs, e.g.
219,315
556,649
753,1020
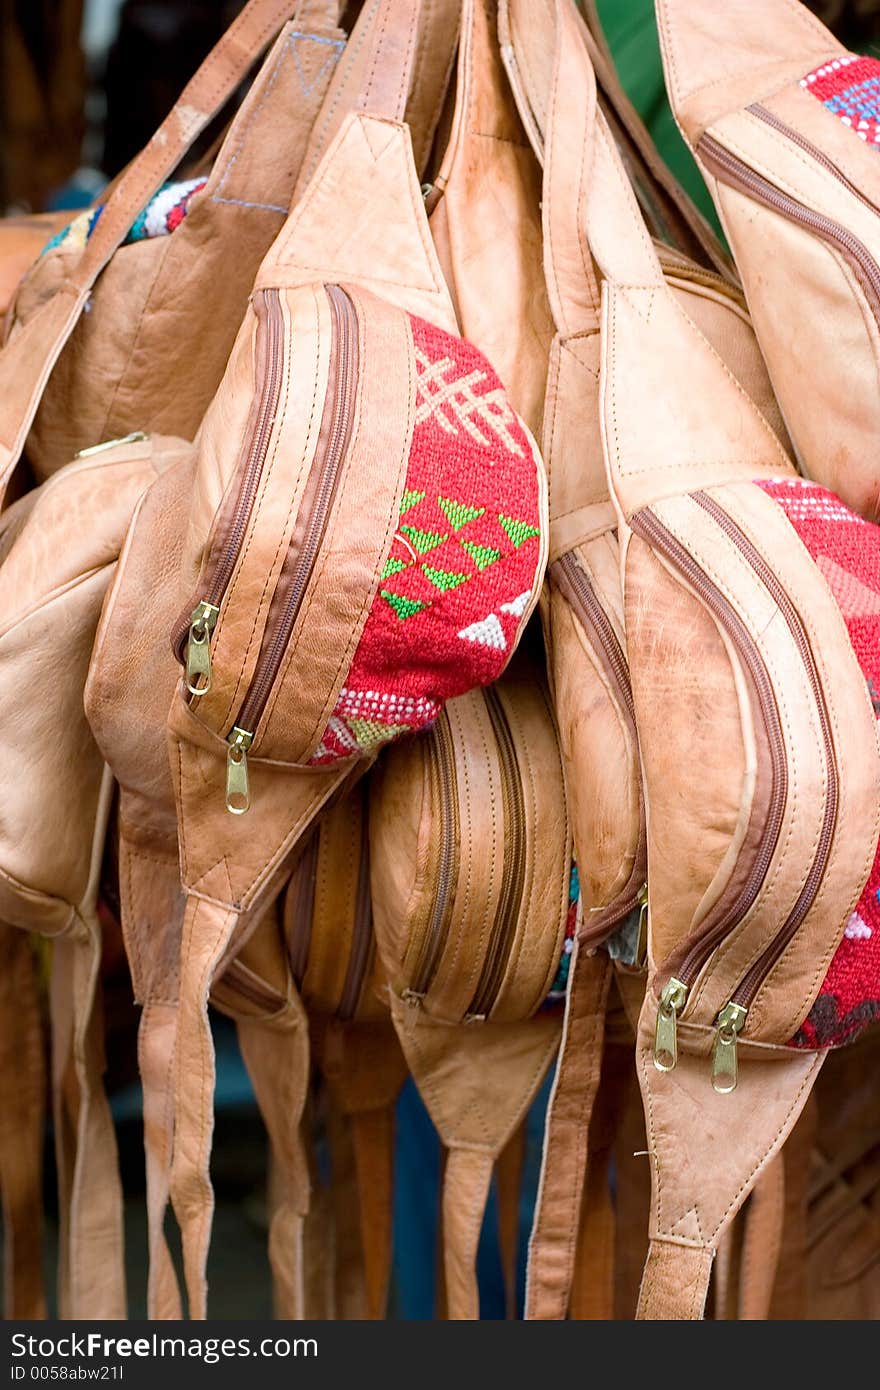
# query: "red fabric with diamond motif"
846,549
464,559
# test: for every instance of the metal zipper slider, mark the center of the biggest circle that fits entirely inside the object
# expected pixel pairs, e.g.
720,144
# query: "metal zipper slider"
238,789
642,936
672,1001
198,648
729,1023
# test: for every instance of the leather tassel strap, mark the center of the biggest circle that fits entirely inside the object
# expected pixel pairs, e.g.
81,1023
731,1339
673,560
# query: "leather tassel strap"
372,1133
207,929
675,1281
92,1283
277,1056
508,1184
465,1193
156,1064
22,1111
553,1245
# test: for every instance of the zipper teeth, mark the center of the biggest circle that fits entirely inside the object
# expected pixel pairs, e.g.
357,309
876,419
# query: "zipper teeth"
733,171
576,586
299,936
272,325
809,148
751,982
275,644
648,526
514,864
432,943
242,980
362,930
591,610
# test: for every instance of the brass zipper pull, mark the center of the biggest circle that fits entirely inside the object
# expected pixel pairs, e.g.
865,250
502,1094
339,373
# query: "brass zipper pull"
238,788
672,1001
642,938
198,648
729,1024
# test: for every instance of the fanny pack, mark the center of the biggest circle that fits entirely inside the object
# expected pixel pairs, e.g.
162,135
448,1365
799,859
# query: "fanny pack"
473,901
742,666
582,606
366,555
783,122
55,575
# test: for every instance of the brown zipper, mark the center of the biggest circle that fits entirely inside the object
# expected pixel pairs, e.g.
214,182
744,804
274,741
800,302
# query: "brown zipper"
769,118
241,980
514,865
325,475
570,577
680,972
360,951
748,987
687,962
302,891
434,939
733,171
270,336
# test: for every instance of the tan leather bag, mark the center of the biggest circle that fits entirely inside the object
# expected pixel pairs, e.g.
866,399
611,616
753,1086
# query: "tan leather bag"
582,606
130,684
736,649
29,357
337,557
129,364
772,106
59,546
471,864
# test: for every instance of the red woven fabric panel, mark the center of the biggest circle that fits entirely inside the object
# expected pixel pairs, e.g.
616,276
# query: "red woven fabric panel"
464,559
849,87
847,551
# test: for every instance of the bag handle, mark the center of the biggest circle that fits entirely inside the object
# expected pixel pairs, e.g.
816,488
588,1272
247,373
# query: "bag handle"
692,232
373,75
28,359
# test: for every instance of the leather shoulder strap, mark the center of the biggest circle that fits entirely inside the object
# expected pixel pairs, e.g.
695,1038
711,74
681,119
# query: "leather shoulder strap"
373,75
683,223
555,90
27,360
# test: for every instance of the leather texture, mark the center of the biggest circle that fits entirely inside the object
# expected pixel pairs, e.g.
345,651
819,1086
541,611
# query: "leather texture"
56,569
470,895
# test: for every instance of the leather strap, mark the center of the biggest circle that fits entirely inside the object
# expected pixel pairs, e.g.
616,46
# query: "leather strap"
156,1064
439,23
686,226
277,1056
762,1242
509,1167
373,75
789,1299
22,1112
207,930
372,1133
595,1275
29,357
92,1281
675,1281
554,1233
465,1192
